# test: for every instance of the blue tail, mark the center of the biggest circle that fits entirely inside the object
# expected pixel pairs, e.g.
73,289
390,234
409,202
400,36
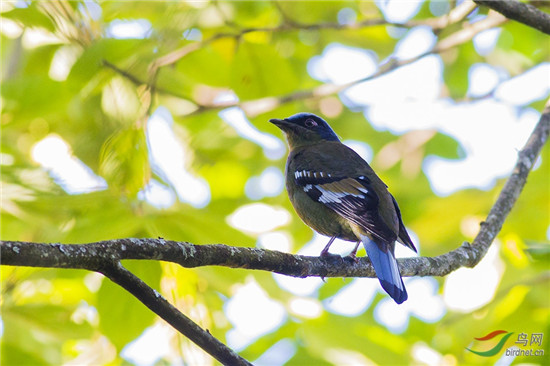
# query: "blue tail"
386,269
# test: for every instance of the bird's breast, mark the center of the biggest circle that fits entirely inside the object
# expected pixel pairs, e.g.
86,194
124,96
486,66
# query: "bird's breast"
318,216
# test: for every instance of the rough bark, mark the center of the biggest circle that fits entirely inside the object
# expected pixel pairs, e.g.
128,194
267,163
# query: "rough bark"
521,12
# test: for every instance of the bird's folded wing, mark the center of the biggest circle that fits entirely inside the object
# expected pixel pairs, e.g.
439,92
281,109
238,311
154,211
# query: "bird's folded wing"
351,197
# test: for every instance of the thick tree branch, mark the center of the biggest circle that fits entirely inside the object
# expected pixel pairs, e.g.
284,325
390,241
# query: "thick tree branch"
521,12
94,256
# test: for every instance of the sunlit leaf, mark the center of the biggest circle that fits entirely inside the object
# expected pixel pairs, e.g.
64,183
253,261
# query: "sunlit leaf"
122,317
30,16
124,161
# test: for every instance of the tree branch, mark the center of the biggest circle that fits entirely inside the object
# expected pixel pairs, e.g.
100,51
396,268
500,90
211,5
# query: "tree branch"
515,183
262,105
455,15
258,106
521,12
93,256
105,256
158,304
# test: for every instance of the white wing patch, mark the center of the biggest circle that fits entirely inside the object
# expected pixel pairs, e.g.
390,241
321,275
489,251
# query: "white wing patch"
327,195
333,197
308,174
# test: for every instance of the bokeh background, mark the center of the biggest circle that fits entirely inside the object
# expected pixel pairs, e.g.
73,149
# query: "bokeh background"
147,119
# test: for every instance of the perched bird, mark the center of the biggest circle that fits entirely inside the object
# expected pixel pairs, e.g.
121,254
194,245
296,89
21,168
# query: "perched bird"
336,193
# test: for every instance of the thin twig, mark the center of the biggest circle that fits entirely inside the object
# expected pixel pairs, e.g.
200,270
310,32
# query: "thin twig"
138,82
263,105
255,107
454,16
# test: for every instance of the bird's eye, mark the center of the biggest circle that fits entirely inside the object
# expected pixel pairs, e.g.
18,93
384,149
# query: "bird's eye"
310,123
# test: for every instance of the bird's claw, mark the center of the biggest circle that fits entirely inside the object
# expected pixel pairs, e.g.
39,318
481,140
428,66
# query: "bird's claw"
351,258
326,254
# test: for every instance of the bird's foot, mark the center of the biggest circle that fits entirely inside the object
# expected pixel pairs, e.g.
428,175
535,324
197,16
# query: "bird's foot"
351,258
333,259
325,254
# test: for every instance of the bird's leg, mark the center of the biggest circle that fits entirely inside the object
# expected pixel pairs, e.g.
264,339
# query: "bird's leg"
353,253
324,252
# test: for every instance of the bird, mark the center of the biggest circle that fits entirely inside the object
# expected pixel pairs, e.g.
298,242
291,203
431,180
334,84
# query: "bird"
336,193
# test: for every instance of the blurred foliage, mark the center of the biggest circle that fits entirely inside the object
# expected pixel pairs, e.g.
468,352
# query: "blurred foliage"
65,75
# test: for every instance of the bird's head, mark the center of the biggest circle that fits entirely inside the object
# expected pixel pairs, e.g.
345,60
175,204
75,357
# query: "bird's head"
305,129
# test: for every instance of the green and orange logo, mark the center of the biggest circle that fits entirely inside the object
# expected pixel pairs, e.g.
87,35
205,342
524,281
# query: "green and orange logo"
497,348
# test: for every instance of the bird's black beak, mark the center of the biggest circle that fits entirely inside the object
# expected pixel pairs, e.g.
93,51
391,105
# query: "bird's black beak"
277,122
283,124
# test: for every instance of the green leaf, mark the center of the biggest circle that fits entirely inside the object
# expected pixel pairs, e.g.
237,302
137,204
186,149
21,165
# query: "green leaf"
455,73
14,354
25,98
122,318
253,69
104,49
30,16
208,65
46,318
539,251
120,101
124,161
34,333
528,42
444,146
